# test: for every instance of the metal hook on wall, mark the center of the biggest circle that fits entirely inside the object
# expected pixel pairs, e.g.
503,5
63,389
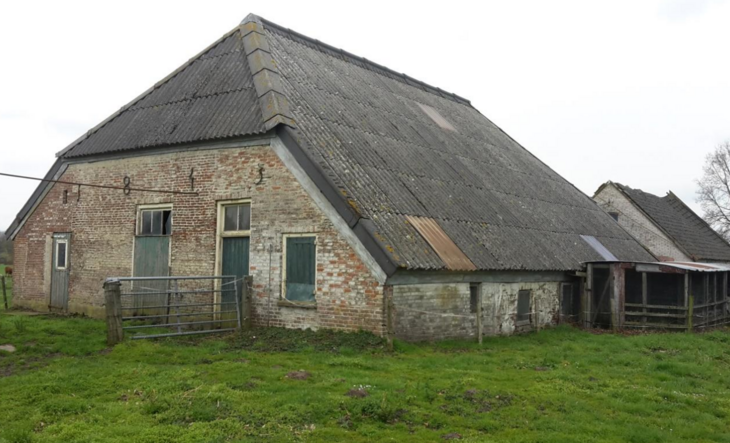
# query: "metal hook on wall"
192,179
261,175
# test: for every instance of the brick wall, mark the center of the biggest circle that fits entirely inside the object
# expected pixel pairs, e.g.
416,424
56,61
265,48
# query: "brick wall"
102,223
637,224
442,311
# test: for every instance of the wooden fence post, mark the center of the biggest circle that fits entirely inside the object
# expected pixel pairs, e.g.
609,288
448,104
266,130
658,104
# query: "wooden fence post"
690,312
246,303
113,303
5,294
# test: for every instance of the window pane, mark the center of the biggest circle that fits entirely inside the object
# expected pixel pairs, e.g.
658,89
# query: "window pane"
244,217
231,218
146,223
156,222
523,305
166,222
300,268
61,255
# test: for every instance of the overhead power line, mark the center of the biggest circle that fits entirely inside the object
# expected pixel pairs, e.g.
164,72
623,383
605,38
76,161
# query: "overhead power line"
127,188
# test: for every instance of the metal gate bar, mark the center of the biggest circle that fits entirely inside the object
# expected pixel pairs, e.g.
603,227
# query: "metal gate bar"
175,307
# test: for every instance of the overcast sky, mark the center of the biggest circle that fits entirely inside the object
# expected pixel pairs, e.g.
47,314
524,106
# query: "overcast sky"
632,91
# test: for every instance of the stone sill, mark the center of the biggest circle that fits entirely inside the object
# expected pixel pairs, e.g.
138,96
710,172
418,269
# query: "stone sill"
301,304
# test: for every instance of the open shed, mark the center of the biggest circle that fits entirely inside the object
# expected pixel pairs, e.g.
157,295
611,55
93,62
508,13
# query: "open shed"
663,295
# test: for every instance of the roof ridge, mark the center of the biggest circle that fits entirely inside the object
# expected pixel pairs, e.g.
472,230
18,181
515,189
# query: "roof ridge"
368,63
137,99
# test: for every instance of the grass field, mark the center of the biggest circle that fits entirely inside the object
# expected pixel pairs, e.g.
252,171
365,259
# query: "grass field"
561,385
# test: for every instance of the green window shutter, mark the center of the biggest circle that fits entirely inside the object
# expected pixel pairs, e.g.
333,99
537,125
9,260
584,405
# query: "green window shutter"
300,268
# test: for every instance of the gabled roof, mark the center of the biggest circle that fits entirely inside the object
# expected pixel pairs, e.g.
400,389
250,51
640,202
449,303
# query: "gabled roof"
686,229
388,145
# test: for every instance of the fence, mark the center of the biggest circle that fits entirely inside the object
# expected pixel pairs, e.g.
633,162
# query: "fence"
155,307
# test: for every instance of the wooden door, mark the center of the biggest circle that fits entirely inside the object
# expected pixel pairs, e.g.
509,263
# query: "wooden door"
151,259
60,272
235,256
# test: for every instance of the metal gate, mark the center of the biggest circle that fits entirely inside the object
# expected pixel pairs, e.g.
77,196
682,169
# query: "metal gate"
182,305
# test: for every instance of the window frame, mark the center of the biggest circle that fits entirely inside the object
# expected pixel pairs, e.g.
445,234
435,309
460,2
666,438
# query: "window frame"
529,313
153,207
222,205
284,238
65,254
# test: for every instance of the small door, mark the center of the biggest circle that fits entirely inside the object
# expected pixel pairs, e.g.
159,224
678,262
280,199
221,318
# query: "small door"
60,271
234,262
151,259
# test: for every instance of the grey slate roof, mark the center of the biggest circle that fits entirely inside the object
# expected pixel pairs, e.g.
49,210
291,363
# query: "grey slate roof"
367,129
688,230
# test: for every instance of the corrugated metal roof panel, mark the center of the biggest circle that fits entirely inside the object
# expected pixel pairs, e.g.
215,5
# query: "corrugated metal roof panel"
211,97
452,256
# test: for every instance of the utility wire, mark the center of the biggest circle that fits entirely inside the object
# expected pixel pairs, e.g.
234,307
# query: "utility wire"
123,188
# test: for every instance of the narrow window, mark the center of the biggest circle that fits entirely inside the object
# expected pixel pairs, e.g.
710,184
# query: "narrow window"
473,297
60,255
300,268
155,222
523,306
237,218
614,215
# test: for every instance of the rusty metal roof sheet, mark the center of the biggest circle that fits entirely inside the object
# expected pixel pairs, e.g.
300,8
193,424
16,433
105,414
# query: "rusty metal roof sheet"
453,257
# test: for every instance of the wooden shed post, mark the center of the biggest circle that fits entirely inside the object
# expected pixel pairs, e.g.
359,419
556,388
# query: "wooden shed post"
113,304
687,320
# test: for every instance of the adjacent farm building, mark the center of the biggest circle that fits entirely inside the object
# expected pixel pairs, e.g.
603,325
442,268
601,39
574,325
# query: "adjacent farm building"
340,186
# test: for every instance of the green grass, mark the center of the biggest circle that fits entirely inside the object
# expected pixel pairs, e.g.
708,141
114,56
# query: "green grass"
561,385
8,288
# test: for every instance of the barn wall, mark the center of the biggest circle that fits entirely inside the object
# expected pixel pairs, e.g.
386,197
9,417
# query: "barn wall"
102,223
442,311
637,224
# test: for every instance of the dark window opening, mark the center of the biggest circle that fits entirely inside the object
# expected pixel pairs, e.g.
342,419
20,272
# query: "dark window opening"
61,255
237,218
634,287
614,215
523,306
473,297
301,264
156,222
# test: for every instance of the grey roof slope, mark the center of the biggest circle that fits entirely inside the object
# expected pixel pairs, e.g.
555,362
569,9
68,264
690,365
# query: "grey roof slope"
687,229
365,128
210,97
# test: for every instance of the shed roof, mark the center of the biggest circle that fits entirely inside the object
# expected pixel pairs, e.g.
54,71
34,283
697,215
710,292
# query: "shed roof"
687,229
392,146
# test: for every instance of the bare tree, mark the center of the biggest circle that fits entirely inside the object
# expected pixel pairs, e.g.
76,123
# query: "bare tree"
714,189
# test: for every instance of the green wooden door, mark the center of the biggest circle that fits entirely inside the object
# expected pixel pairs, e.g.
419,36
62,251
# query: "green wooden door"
300,268
234,262
151,259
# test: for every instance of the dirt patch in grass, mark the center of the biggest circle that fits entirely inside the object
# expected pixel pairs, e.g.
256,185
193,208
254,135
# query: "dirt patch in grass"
295,340
358,393
298,375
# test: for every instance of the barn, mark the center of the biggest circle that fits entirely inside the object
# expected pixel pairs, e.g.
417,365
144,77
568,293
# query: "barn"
343,188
